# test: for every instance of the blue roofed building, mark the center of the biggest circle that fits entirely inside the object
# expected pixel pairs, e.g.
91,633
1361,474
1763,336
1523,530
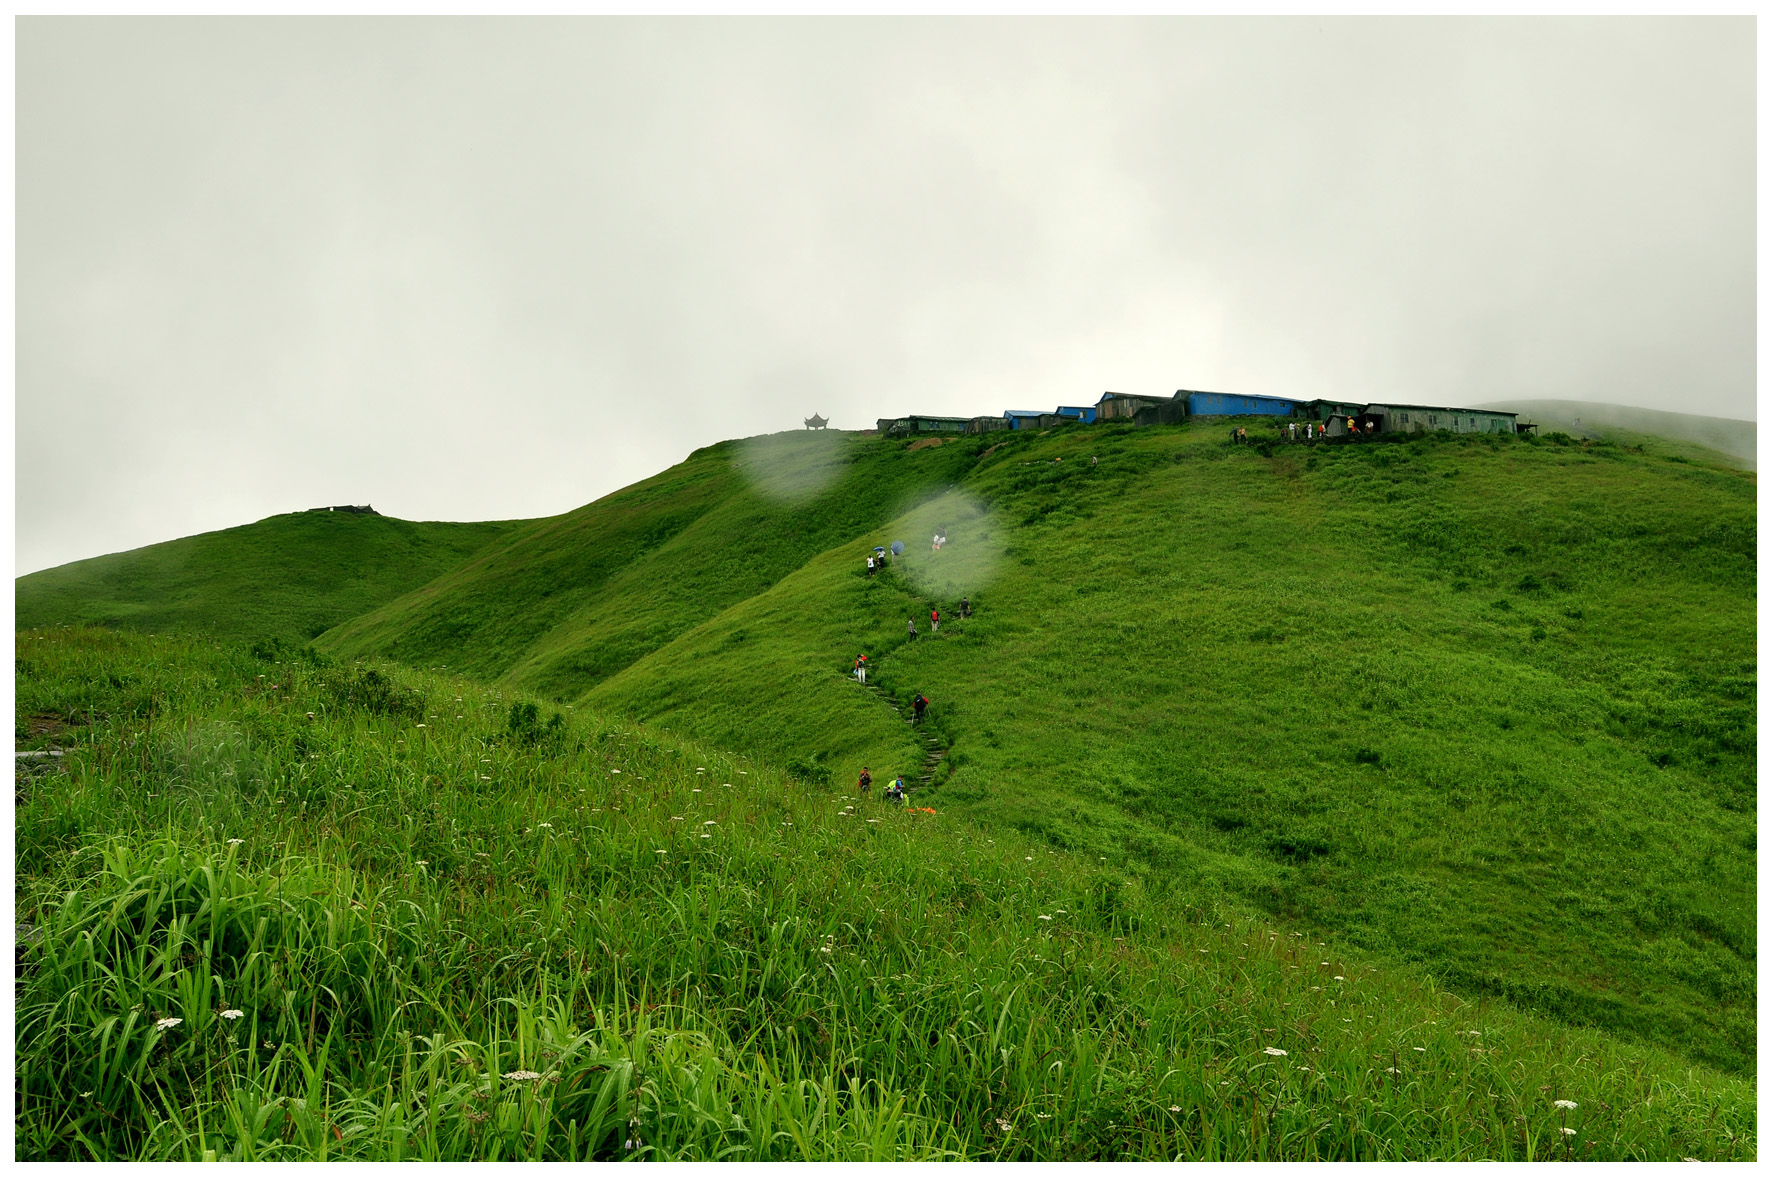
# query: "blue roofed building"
1085,414
1226,404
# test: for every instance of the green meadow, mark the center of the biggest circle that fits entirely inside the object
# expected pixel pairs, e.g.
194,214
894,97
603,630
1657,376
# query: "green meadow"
296,908
290,577
1429,763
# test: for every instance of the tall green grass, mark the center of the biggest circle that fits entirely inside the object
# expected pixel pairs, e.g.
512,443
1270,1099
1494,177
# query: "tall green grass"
453,930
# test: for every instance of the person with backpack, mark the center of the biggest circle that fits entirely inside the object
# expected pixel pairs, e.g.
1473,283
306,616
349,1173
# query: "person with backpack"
912,623
861,670
935,621
917,706
965,608
870,565
895,791
866,782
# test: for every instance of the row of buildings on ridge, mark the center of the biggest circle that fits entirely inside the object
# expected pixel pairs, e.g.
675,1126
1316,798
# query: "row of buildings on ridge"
1168,410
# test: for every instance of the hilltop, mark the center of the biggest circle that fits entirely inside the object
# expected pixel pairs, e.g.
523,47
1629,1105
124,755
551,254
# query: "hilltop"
290,577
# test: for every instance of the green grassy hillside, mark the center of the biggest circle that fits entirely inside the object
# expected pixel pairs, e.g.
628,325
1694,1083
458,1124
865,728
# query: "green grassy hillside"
1484,706
564,603
292,910
290,576
1478,706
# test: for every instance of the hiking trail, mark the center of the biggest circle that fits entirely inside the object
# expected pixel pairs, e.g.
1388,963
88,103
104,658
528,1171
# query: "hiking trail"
933,752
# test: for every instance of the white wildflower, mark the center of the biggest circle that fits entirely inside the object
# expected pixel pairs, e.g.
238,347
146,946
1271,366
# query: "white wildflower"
167,1023
1273,1050
1175,1107
1421,1049
1568,1131
232,1014
1567,1105
522,1076
707,823
236,841
546,825
1045,917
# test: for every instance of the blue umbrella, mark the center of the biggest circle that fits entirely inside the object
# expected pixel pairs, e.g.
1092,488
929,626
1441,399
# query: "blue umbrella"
898,547
879,551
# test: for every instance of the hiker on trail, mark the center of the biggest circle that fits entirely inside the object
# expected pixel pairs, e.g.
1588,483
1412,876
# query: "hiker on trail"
895,791
1291,431
861,670
913,624
935,621
866,782
870,565
965,607
917,706
1091,459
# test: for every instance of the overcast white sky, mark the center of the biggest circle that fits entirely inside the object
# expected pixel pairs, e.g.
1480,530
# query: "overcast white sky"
482,269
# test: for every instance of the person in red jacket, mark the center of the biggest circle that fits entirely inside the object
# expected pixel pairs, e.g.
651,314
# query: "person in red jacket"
934,621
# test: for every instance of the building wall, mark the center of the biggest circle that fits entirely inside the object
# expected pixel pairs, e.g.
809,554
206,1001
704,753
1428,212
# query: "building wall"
1124,408
1416,419
1164,413
1321,410
1224,404
986,424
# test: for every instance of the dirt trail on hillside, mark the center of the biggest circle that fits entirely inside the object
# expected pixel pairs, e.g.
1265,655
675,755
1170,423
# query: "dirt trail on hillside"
933,752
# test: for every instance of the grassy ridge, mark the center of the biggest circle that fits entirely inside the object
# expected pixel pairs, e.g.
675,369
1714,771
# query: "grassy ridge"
492,936
290,576
1484,706
571,601
1676,435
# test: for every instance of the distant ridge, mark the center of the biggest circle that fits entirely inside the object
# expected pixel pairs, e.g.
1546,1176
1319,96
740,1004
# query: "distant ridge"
289,576
1727,436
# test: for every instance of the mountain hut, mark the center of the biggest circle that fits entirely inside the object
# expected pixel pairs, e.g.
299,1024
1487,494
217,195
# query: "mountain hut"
1427,418
905,426
1123,406
1225,404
